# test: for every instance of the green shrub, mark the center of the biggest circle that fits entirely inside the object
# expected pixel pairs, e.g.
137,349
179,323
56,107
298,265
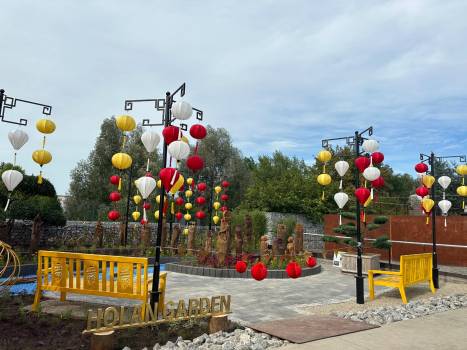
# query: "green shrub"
372,226
380,220
349,215
290,223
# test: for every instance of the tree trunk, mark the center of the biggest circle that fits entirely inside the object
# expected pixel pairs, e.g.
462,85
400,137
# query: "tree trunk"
218,323
37,227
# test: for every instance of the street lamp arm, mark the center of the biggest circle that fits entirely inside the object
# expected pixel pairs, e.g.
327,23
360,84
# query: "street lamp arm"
10,103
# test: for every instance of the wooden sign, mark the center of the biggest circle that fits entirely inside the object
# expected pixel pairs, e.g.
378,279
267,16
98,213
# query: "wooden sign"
121,317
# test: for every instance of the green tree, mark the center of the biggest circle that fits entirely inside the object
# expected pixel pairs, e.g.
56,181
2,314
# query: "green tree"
30,199
90,186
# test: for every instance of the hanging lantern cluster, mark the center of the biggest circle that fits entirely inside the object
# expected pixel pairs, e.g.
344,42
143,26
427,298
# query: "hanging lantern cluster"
12,178
444,204
462,189
42,156
423,191
195,162
114,197
200,200
341,198
220,196
150,140
122,160
136,214
324,179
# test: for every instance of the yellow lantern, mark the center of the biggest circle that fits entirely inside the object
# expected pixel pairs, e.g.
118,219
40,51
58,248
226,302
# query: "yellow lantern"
125,123
156,214
428,180
462,191
462,169
45,126
216,205
215,219
187,217
324,179
324,156
427,205
185,232
217,189
188,193
189,181
41,157
188,206
178,184
136,215
121,161
158,198
137,199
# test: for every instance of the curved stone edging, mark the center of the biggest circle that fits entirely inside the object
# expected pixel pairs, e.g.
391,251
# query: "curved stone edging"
232,273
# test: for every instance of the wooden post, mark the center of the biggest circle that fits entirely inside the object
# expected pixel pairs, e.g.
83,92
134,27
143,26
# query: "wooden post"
218,323
102,341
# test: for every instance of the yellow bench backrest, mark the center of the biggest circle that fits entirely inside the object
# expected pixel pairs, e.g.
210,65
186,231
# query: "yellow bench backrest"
93,274
416,267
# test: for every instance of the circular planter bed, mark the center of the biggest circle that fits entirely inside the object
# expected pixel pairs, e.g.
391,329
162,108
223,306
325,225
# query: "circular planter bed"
232,273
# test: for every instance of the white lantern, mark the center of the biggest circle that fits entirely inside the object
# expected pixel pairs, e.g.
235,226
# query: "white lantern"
370,145
445,205
181,110
371,173
150,140
341,199
444,181
145,184
179,150
341,167
11,179
18,138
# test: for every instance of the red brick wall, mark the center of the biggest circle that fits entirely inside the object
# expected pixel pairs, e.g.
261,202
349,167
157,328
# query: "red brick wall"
414,229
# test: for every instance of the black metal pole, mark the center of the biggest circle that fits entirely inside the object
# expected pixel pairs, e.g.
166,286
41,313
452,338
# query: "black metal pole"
128,205
433,225
157,268
359,277
2,93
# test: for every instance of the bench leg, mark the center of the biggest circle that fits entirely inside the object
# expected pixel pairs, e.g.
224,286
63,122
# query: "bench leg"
403,296
371,286
432,286
37,299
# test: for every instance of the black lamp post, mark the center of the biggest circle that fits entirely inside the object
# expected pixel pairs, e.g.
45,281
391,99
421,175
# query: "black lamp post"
356,141
10,102
431,160
165,106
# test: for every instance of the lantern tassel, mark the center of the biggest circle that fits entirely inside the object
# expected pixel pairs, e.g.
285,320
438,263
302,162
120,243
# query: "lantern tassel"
340,219
196,148
144,212
39,178
444,195
340,184
14,159
147,165
324,167
7,202
371,159
119,184
172,181
124,140
322,196
371,193
427,219
43,142
445,222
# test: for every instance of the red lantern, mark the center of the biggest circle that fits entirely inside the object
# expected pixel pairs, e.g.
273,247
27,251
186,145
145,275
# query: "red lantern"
293,269
201,186
143,222
240,266
377,157
378,183
422,191
200,214
179,201
311,261
115,196
224,208
114,179
421,168
170,134
259,271
225,197
362,163
200,200
362,194
113,215
225,184
198,131
166,175
195,163
179,216
147,205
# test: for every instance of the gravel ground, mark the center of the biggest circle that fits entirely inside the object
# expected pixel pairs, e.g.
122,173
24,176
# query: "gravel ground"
417,292
240,339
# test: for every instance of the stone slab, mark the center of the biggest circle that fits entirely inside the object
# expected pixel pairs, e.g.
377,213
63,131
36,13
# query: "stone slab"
306,329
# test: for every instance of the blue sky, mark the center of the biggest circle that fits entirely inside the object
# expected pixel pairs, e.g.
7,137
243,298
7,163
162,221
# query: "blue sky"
277,74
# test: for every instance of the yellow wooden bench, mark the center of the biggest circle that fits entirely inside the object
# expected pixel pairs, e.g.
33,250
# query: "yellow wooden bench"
93,274
415,268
